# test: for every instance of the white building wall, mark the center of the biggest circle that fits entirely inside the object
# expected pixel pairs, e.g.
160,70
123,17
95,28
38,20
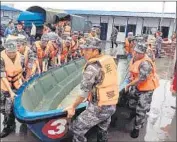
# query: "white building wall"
172,27
120,21
132,20
151,22
94,19
139,26
104,19
110,24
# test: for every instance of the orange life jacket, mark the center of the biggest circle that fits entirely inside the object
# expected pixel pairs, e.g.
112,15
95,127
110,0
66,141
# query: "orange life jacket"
64,52
151,83
74,47
13,71
52,50
107,91
150,50
40,51
90,35
128,47
67,30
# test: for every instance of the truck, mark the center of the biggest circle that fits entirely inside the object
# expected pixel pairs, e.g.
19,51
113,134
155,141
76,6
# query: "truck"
39,16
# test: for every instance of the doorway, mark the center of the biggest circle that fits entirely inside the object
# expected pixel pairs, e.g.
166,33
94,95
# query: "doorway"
104,28
131,28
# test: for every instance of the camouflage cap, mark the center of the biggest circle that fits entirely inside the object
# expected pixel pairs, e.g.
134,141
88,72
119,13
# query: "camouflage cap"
93,43
21,39
10,46
68,39
93,30
75,33
53,36
140,48
45,37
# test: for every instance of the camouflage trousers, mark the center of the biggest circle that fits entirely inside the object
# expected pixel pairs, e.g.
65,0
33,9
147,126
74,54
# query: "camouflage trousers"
6,108
92,116
140,103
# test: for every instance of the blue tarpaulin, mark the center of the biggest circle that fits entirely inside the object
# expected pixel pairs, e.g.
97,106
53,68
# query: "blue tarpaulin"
29,17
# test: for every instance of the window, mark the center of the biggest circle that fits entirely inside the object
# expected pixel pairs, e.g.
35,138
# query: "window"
121,28
148,30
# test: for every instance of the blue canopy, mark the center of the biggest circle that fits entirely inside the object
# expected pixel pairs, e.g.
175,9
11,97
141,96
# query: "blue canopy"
29,17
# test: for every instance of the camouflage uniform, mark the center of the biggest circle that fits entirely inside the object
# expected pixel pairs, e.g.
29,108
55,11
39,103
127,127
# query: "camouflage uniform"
22,32
6,104
139,101
114,36
93,115
158,44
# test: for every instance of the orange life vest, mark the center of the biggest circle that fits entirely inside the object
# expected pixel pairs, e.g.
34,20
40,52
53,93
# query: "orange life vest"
107,91
149,50
128,47
151,83
74,47
67,30
90,35
13,71
52,50
64,52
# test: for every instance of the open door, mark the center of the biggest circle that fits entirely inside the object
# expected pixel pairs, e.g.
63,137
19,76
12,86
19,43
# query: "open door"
104,28
131,28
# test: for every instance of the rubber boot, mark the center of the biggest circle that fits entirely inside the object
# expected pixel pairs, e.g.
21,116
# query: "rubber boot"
102,135
135,133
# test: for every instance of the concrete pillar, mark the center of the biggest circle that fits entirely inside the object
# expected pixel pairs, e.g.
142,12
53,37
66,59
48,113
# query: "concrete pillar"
139,26
110,24
172,27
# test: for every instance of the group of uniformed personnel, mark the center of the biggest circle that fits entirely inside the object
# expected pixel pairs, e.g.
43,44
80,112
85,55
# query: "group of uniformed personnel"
99,84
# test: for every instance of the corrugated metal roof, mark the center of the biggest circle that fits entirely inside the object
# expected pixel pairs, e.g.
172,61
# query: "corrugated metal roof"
8,8
121,13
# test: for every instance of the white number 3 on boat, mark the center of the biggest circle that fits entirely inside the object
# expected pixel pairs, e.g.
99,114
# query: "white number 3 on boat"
55,128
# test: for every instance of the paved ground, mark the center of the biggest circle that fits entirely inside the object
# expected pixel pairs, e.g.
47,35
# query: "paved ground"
159,117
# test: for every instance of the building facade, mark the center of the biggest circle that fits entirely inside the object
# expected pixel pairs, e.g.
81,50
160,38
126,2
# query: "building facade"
137,22
8,13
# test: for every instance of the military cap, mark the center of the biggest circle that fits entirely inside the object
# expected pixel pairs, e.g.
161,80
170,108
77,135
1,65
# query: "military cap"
10,46
93,43
21,39
45,37
68,39
53,36
75,33
140,48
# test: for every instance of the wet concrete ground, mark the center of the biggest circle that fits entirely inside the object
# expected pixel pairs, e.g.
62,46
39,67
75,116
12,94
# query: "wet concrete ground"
160,115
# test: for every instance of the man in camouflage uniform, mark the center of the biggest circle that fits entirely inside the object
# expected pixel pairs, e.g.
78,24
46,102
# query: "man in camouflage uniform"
94,114
139,101
158,44
19,30
7,97
114,36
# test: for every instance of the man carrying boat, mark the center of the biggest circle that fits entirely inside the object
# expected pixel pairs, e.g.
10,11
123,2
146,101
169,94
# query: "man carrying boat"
31,62
42,52
11,80
100,86
54,47
143,82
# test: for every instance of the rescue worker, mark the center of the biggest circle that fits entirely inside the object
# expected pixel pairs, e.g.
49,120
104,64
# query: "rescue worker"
66,46
74,45
158,44
143,82
67,30
60,29
54,47
92,33
46,28
129,45
11,73
102,93
150,52
19,30
114,36
31,64
82,40
42,52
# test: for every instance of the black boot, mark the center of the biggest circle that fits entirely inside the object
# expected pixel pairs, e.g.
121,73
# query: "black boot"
102,135
7,130
135,133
